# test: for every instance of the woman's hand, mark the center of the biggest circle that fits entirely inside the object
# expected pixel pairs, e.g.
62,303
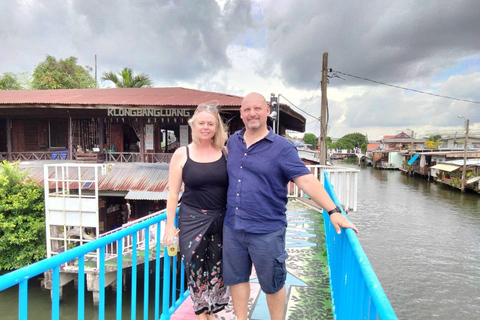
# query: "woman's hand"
170,233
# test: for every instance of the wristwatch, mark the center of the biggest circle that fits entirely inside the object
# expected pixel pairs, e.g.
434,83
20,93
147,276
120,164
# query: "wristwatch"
336,209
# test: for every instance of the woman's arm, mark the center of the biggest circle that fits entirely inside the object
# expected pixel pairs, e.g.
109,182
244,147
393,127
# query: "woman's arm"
174,185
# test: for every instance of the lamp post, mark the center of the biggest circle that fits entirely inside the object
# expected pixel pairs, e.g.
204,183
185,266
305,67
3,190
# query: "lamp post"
464,170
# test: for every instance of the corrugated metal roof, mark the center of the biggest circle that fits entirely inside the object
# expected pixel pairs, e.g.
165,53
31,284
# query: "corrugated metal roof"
152,177
175,96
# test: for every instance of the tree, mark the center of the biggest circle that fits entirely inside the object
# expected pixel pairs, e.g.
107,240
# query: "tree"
22,220
62,74
435,138
128,79
311,140
9,81
330,144
351,141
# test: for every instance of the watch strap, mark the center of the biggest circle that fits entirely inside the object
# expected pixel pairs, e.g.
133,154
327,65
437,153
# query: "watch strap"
336,209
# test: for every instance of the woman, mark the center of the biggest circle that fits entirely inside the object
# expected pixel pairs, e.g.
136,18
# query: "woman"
201,166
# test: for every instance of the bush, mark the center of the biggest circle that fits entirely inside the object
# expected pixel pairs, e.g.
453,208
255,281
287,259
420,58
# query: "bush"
22,219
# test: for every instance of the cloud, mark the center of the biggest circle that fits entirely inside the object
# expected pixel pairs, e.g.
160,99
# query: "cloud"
392,41
238,46
169,40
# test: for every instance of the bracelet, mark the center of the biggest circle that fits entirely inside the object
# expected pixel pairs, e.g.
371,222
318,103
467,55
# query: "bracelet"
336,209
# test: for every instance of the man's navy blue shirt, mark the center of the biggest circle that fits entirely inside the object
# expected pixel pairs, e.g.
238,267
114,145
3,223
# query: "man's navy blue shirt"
258,178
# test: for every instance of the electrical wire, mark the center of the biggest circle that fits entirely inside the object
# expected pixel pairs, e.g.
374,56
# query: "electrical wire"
403,88
318,118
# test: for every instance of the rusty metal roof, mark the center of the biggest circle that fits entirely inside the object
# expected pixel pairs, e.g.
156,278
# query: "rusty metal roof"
172,96
123,176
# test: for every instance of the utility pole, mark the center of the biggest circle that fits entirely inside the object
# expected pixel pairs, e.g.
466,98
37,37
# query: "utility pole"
411,148
323,114
464,170
96,82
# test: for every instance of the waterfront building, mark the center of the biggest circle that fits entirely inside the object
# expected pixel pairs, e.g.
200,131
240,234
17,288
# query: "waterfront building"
133,130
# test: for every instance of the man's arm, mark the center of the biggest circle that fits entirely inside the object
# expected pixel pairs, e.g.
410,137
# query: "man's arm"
315,190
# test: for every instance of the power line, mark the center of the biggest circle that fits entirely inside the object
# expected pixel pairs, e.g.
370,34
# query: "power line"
299,108
403,88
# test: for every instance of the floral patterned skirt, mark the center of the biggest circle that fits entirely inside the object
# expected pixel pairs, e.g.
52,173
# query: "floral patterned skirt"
201,251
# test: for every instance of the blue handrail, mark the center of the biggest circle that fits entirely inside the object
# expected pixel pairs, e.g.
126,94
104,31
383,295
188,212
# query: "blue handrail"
355,289
21,276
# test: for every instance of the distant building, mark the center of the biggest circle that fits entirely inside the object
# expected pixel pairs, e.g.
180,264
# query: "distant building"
459,142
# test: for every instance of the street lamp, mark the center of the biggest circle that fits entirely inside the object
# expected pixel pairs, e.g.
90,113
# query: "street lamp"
464,171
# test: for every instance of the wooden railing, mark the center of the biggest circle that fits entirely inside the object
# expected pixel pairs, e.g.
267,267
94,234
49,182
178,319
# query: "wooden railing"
109,156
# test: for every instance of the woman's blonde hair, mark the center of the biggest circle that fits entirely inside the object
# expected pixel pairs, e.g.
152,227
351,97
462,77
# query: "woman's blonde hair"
220,136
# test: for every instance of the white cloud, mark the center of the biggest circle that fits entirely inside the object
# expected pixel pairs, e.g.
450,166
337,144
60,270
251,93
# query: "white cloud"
238,46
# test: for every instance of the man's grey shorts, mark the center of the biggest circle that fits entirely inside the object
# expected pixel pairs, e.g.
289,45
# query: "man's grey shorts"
265,250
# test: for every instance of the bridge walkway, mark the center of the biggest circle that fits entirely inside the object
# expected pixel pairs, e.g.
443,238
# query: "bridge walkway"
308,286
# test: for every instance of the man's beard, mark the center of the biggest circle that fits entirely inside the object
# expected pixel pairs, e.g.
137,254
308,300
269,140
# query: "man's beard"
253,125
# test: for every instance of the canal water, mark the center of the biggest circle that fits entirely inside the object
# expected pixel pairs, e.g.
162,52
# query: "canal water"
423,241
39,302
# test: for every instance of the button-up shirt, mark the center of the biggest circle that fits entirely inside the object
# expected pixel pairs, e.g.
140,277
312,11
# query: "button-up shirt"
258,178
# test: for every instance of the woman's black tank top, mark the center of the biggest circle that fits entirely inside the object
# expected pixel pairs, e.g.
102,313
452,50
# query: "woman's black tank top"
206,184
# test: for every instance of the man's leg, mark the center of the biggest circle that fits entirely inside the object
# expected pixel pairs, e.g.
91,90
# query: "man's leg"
240,294
276,304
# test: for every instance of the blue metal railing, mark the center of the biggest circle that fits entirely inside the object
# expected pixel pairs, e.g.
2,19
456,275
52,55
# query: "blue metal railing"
355,289
168,294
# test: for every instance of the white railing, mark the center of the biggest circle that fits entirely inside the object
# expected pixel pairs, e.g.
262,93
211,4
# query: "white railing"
344,181
111,251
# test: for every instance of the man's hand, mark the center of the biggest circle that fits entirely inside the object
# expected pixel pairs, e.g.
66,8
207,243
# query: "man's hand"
338,220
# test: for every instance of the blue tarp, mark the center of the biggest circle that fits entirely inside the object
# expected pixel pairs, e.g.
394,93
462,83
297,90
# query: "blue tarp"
415,157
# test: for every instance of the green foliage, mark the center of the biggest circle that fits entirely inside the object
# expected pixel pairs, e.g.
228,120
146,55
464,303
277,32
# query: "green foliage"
128,79
311,140
351,141
435,138
62,74
455,183
330,144
22,220
9,81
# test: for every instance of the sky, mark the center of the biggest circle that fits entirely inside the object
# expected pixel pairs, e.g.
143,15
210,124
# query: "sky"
383,54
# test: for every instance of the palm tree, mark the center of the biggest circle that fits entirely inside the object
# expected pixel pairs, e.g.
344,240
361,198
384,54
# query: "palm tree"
128,79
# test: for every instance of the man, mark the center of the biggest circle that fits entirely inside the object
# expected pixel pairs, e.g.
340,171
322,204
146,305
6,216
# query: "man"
260,165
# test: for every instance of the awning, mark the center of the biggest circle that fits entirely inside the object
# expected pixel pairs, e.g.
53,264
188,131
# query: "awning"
445,167
472,180
413,159
146,195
